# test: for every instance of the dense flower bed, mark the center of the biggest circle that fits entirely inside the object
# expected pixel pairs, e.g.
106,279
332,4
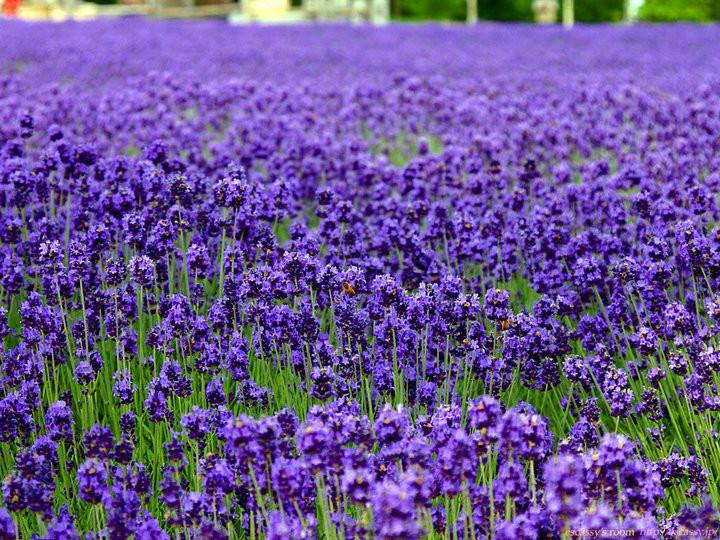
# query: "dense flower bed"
345,282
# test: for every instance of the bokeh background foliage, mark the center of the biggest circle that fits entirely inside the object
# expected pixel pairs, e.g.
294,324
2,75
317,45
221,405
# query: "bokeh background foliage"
672,10
585,10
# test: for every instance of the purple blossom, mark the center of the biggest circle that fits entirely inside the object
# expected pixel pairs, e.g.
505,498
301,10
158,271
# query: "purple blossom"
92,481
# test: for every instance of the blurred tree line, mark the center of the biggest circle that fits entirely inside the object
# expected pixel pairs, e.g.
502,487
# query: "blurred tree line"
585,10
686,10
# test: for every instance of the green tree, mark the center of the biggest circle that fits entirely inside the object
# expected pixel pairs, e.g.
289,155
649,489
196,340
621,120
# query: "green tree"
585,10
599,10
449,10
505,10
680,10
521,10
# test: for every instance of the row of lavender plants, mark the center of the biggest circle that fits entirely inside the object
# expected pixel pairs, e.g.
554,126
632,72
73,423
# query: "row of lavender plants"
282,288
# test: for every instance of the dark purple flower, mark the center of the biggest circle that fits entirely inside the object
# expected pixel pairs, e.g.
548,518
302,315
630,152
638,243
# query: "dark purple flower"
62,527
394,512
59,421
7,526
92,481
142,270
496,305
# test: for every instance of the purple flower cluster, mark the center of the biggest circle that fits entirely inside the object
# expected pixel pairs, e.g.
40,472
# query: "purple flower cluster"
423,284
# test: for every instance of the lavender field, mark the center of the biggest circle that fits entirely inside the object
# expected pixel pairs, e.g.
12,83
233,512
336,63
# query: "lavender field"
350,282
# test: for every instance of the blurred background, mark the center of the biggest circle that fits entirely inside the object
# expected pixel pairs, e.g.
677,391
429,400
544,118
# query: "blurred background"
567,12
585,10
